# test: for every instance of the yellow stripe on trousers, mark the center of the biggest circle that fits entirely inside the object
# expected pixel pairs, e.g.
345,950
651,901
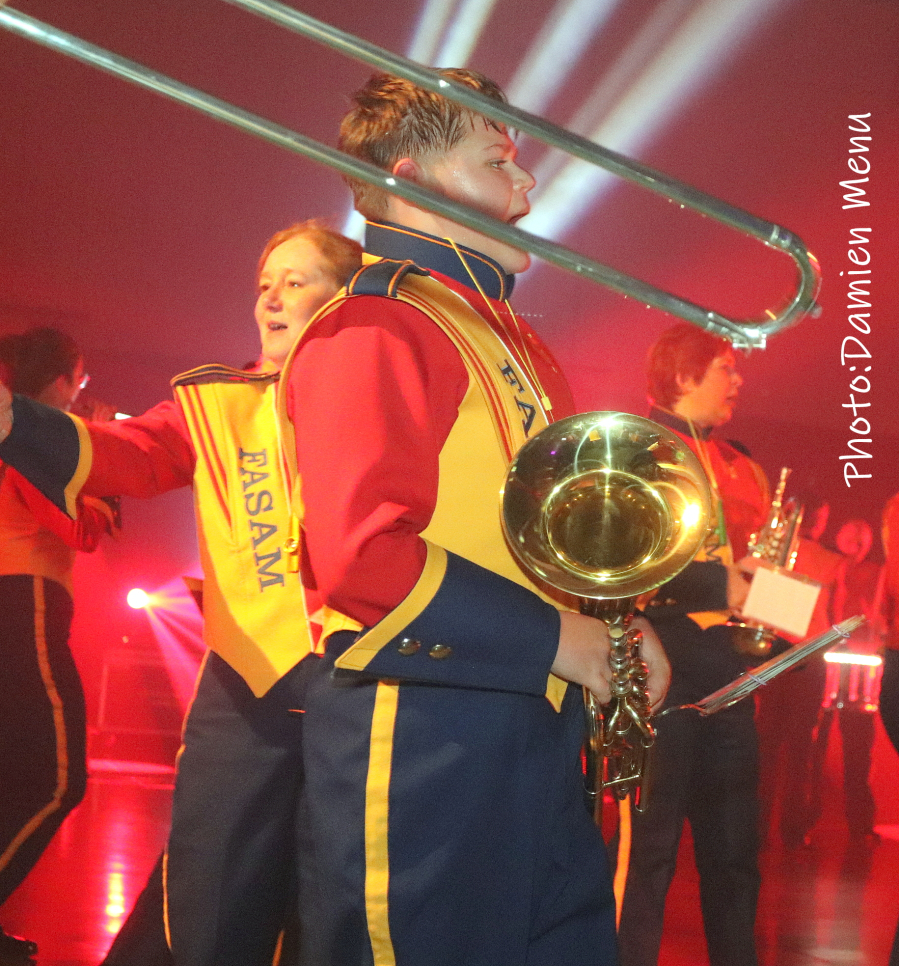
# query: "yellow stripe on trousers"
62,752
377,791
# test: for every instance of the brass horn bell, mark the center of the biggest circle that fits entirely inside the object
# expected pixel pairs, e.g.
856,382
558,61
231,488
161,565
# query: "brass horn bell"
607,506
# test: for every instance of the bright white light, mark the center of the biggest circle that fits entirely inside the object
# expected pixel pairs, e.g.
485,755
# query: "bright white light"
464,33
115,902
354,226
565,35
177,625
431,25
843,657
696,50
138,598
651,37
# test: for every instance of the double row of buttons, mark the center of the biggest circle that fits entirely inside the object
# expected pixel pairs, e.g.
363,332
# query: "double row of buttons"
408,645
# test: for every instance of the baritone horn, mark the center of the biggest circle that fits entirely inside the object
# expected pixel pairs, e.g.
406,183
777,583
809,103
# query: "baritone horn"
747,333
607,506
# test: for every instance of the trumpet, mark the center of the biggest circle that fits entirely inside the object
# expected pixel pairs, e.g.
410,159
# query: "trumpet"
607,506
776,543
748,333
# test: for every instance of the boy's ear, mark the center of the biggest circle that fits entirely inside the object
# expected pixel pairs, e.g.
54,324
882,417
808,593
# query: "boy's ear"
408,169
684,383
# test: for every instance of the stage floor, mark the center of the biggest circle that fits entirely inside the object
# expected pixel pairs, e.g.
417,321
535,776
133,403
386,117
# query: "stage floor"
826,904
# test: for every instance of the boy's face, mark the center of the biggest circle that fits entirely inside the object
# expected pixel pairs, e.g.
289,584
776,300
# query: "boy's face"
64,390
711,401
481,171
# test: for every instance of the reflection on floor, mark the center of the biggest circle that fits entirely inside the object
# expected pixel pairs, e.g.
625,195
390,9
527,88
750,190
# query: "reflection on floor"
826,904
831,903
82,889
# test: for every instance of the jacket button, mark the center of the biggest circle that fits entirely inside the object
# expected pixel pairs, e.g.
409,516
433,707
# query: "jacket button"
440,651
408,645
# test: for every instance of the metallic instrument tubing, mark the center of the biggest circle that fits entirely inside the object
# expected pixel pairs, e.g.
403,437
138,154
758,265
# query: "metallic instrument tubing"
607,506
745,334
776,543
771,234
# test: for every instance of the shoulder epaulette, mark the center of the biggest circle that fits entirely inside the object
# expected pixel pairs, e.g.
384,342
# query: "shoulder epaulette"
383,277
219,373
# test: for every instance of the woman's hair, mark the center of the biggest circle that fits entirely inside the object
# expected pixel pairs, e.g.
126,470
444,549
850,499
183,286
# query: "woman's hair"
683,350
343,255
32,360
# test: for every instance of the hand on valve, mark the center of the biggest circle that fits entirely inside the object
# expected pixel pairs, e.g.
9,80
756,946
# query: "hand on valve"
583,656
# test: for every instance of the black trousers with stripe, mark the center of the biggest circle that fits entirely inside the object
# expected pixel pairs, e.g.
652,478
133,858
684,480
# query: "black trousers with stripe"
43,770
704,771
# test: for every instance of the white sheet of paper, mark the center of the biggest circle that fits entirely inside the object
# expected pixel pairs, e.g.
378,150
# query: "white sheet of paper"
782,600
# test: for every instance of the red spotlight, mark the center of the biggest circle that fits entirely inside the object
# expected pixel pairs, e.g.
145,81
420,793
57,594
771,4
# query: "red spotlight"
138,598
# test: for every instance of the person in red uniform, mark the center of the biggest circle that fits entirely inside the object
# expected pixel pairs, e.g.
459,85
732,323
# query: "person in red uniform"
788,783
856,591
705,770
445,820
43,767
441,813
889,683
230,862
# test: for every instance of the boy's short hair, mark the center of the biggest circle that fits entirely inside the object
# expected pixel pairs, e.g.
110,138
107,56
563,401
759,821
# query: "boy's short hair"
683,350
342,254
394,118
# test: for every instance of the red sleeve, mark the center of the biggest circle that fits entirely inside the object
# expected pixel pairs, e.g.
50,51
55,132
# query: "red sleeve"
82,533
372,404
890,536
142,456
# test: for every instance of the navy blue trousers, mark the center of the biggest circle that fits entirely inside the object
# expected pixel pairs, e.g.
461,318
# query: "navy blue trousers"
703,771
449,830
43,771
230,863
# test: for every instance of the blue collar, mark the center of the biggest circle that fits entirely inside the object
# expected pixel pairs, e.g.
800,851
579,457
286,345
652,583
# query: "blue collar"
428,251
673,421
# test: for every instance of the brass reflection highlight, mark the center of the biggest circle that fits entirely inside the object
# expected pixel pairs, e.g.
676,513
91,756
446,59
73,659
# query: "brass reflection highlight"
607,506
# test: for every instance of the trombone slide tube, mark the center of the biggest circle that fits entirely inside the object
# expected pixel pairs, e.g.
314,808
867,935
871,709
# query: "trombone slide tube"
772,235
742,334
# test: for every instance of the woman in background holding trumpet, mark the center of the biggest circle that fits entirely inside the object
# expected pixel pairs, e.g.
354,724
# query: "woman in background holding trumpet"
704,770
